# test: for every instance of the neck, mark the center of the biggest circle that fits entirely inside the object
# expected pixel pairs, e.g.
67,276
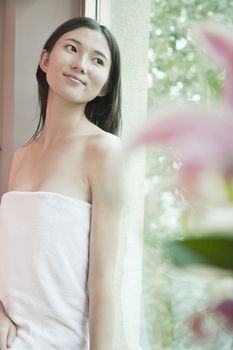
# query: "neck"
64,120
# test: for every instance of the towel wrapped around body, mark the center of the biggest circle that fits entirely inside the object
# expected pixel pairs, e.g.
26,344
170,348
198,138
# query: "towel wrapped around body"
44,254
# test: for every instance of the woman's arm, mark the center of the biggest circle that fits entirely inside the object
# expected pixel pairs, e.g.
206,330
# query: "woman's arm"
105,176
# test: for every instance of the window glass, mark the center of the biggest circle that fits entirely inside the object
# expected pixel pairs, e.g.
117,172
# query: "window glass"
179,71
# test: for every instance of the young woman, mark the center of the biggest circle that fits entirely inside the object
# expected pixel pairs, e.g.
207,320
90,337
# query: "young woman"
59,220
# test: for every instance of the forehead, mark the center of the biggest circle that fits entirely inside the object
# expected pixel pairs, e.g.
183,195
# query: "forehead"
89,38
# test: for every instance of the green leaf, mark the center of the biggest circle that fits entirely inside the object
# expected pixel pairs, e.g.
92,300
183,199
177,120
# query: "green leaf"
215,250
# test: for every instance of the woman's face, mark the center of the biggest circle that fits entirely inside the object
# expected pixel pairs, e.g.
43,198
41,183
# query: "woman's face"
77,69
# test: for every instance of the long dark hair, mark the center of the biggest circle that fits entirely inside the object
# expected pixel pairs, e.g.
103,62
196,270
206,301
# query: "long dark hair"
103,111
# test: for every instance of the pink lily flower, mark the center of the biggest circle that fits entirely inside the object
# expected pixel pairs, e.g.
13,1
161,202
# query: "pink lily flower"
201,138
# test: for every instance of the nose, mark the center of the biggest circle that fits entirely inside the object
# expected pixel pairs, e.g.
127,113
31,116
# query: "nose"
80,64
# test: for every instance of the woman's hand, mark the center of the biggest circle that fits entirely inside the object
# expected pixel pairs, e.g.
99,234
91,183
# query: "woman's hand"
7,330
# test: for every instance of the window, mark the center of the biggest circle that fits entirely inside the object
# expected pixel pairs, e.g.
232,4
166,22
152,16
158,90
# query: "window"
177,71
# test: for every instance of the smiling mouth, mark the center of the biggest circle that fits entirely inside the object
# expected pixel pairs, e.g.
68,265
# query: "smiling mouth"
74,78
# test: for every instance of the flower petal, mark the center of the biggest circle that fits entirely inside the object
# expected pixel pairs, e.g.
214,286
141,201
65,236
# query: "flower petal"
200,137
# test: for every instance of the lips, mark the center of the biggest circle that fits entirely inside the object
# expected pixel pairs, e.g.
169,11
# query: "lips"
75,77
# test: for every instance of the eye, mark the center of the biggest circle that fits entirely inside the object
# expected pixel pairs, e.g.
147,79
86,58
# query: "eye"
72,48
99,61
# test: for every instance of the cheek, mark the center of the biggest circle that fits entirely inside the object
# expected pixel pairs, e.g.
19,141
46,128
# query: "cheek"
57,62
101,78
55,69
51,75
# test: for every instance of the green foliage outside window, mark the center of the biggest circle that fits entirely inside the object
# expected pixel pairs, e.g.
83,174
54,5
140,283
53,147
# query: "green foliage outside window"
178,70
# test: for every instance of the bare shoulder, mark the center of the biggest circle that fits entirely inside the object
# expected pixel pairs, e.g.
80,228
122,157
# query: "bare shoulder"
104,163
17,159
19,154
104,144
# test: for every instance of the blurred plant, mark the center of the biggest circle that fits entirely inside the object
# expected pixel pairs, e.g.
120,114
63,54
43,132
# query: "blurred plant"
201,137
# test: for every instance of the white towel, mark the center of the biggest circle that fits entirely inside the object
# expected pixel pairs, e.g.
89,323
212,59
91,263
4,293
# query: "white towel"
44,253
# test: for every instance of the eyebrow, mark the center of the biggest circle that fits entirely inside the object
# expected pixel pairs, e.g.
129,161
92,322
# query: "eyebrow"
96,51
